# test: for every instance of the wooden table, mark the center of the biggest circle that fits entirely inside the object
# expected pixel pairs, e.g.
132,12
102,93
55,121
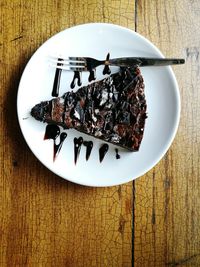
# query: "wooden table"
47,221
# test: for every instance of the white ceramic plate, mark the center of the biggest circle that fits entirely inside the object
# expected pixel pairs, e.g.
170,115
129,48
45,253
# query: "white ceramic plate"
162,94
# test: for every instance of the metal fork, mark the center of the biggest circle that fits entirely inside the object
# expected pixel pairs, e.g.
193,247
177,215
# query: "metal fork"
88,63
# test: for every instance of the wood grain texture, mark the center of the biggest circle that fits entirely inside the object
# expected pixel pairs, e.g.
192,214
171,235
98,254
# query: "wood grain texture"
167,199
44,220
47,221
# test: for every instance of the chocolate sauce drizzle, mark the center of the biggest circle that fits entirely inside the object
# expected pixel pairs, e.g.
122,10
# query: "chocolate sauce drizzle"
89,146
102,151
77,147
106,69
52,132
117,153
56,83
92,75
57,148
77,76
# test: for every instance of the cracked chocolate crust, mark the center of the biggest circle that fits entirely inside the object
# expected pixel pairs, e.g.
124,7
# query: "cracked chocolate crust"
113,109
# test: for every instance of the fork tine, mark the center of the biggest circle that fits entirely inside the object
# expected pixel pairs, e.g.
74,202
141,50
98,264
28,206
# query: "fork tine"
68,67
71,59
77,59
78,68
67,62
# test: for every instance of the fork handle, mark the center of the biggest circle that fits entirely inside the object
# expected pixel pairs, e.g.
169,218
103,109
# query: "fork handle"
142,61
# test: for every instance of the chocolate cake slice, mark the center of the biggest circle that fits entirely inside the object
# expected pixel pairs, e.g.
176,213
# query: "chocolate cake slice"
113,109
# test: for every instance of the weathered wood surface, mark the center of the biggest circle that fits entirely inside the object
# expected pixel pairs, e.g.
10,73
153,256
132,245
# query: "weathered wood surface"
167,199
47,221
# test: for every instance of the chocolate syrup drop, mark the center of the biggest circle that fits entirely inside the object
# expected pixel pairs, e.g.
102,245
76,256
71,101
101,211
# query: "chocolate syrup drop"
77,147
117,153
102,151
89,146
106,69
92,75
56,83
77,75
57,148
52,132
